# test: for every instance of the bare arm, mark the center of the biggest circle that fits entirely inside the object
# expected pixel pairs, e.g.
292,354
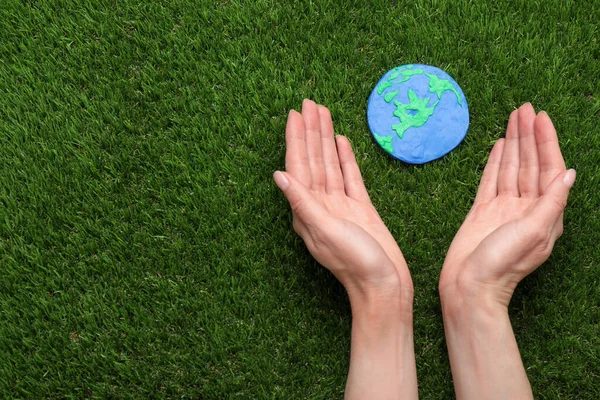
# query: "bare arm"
510,231
382,359
334,216
483,351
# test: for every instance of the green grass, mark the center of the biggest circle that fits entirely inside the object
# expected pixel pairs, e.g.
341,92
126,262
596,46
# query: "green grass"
145,251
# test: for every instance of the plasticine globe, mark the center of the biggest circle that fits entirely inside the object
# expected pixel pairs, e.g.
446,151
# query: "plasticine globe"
417,113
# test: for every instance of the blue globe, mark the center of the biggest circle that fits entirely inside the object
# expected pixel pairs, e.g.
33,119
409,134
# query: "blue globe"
417,113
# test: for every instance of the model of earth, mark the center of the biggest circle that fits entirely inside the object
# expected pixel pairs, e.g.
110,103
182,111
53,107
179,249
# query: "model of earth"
417,113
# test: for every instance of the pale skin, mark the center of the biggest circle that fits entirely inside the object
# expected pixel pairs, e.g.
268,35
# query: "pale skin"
510,230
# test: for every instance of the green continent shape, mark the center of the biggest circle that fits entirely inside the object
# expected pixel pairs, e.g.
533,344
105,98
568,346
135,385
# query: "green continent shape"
404,74
390,96
412,120
394,74
382,87
439,86
398,70
385,142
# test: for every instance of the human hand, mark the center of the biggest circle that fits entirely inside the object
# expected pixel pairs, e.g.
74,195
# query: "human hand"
331,208
333,214
517,214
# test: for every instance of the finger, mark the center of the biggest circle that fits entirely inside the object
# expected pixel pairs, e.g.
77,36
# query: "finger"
557,231
553,202
296,155
529,168
304,206
488,186
550,157
353,181
508,175
312,123
333,172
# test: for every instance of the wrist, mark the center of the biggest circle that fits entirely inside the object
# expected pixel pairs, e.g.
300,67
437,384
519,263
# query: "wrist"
382,301
382,360
483,306
484,356
467,288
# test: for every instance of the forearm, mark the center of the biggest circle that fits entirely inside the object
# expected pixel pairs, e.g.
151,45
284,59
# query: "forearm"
484,356
382,359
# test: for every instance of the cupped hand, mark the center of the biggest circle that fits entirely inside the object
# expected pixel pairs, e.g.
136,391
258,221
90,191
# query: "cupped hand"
517,214
331,208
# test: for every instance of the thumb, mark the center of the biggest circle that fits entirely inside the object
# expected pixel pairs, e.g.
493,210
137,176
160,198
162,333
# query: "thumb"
303,204
554,200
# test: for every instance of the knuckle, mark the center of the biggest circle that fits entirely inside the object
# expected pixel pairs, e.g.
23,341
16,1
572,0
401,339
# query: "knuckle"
560,230
509,165
559,203
297,205
297,226
542,242
547,250
540,237
485,181
318,241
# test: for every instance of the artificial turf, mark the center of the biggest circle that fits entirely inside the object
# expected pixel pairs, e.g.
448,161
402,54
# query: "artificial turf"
145,251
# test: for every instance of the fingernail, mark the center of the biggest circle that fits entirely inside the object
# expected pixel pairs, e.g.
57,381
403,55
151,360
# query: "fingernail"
569,178
543,112
280,180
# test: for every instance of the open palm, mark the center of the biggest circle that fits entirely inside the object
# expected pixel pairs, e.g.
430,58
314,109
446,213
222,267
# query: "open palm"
517,214
331,208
